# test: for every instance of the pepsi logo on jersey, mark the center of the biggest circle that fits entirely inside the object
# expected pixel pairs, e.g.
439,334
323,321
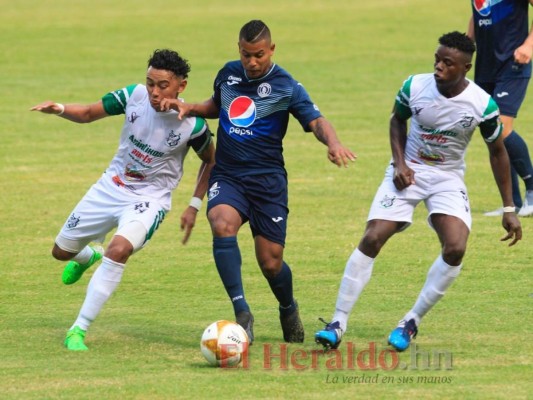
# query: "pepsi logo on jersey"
242,111
482,7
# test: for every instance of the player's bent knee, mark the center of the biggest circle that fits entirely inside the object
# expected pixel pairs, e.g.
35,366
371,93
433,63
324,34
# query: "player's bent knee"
453,255
64,249
128,239
371,243
60,254
270,269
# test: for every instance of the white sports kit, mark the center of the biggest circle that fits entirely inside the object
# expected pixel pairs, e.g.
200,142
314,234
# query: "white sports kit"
439,133
148,166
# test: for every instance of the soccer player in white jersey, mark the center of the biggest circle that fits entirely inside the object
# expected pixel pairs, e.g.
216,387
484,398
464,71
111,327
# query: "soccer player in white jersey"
428,165
134,193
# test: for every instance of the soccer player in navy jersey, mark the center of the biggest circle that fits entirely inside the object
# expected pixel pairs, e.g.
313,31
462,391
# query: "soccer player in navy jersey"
253,98
503,68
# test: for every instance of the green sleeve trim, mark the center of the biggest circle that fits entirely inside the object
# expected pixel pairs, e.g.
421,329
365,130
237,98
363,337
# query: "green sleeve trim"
402,100
198,126
115,102
491,110
490,127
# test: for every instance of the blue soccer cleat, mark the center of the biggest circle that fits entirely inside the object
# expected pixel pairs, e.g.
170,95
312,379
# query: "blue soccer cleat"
330,337
400,338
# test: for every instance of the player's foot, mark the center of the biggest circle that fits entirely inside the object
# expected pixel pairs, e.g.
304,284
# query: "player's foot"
401,336
527,209
74,270
330,337
291,325
74,339
246,320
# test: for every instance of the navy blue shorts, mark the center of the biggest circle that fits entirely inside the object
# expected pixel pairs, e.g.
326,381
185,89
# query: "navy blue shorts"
260,199
510,88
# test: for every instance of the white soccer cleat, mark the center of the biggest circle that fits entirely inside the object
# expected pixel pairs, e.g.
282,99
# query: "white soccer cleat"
526,210
495,213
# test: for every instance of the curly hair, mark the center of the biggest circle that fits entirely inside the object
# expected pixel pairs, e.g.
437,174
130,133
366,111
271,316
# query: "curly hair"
459,41
254,31
171,61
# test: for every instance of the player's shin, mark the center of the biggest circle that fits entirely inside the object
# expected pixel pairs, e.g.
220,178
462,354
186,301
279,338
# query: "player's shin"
357,273
228,261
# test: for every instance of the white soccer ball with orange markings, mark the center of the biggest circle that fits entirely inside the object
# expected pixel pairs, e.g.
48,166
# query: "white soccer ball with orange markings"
224,344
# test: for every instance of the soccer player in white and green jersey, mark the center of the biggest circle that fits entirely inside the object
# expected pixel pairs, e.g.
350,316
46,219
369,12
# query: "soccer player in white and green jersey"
134,193
428,165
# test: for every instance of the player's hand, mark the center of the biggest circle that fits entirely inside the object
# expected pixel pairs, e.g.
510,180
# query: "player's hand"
170,104
188,219
184,110
47,107
403,176
523,54
340,155
513,227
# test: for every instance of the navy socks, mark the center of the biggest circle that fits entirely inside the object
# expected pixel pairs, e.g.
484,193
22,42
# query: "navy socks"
281,286
520,161
228,261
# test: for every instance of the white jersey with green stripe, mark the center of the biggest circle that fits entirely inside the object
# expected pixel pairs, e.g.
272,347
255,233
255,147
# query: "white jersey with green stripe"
153,145
441,128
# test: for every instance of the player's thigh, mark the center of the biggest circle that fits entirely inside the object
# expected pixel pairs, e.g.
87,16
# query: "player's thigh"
92,218
269,212
139,222
452,202
451,230
391,204
228,192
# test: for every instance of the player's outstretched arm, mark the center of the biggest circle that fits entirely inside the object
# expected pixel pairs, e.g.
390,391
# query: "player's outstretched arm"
74,112
325,133
499,162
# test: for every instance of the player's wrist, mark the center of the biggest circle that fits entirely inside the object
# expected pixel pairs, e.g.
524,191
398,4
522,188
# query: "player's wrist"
61,109
509,209
196,202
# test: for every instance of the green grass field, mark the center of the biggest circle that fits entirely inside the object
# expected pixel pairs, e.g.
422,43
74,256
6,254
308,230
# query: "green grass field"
352,56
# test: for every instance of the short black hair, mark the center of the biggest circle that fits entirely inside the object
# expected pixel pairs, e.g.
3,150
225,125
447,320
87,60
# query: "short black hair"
459,41
169,60
254,31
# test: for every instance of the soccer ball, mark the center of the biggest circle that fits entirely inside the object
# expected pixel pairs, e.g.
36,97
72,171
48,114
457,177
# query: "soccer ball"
224,344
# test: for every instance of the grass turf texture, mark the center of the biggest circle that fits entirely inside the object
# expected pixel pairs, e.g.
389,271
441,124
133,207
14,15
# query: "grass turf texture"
352,57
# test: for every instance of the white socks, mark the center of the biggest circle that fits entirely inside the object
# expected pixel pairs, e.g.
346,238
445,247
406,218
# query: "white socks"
359,270
103,283
439,278
356,275
84,255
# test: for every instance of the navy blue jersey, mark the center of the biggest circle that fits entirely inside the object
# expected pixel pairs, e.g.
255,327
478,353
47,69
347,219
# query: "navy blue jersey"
253,120
500,27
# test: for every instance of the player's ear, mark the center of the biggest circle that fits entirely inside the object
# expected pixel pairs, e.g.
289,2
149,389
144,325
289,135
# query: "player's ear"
468,67
182,85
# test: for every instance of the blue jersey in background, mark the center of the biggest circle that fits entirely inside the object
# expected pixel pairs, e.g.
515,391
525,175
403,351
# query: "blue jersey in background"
500,26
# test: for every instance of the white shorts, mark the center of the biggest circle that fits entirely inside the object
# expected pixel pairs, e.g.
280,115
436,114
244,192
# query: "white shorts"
443,192
104,207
